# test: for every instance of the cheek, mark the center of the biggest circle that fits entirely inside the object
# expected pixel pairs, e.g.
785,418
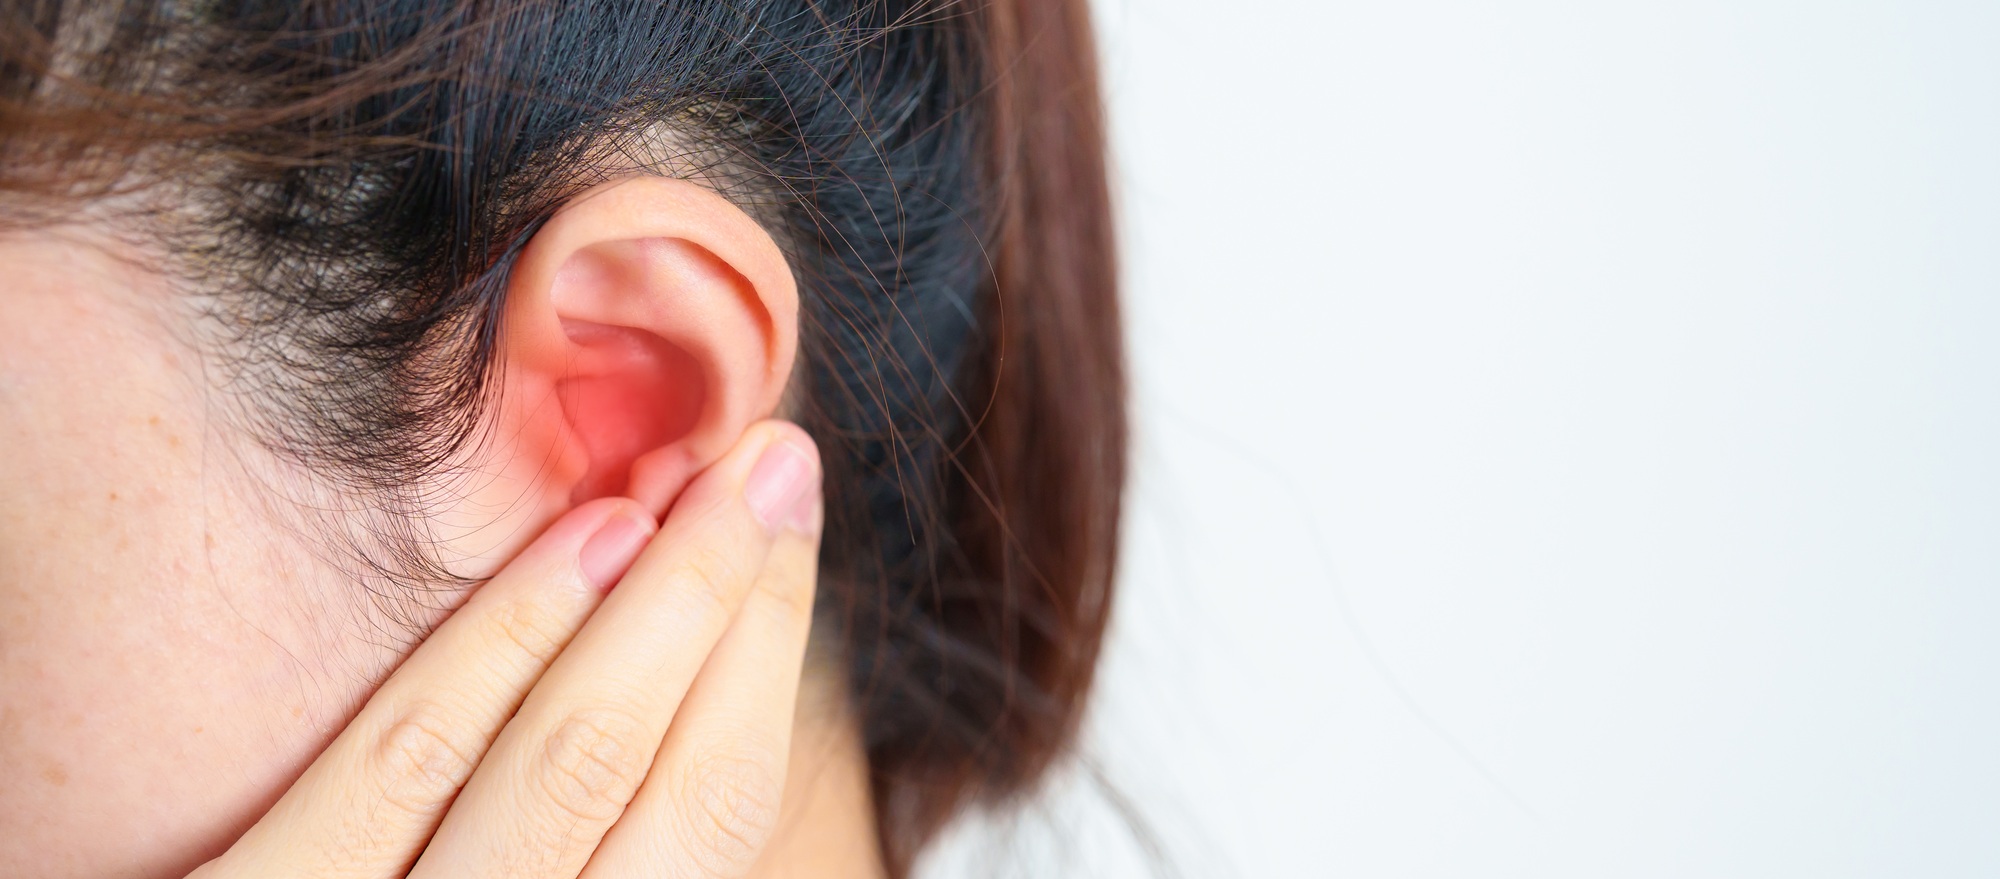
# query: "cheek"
161,680
149,716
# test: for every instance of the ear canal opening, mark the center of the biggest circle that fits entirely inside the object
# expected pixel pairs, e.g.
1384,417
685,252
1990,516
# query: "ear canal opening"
627,393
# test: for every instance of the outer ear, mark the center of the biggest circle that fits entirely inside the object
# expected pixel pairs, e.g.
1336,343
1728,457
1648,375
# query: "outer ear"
647,324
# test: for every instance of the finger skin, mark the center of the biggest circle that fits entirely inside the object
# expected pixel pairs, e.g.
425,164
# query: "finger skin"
369,803
580,747
711,801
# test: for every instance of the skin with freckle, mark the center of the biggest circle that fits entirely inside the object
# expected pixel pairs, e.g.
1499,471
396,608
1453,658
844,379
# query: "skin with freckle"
177,643
139,545
125,545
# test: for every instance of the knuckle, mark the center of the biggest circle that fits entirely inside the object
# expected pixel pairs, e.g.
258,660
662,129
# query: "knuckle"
731,802
708,575
790,600
425,757
594,763
529,628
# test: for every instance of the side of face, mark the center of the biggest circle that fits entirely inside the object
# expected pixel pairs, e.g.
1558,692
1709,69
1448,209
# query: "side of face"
178,639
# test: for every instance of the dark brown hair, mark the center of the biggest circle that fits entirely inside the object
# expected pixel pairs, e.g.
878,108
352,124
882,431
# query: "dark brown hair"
344,184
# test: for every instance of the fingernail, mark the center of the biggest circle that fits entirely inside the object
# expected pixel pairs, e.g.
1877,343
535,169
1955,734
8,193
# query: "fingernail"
805,516
609,552
783,476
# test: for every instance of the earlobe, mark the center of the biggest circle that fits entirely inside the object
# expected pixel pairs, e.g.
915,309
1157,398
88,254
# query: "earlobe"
647,324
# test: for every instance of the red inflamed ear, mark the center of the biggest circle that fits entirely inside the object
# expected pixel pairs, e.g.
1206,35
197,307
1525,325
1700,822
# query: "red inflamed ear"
647,323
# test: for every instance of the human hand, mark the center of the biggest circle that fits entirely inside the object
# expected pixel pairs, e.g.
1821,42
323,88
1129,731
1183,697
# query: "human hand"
536,734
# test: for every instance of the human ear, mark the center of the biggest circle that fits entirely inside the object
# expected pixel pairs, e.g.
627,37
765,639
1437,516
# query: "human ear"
647,323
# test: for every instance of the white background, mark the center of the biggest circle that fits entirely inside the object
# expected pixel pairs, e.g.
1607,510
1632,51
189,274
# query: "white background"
1568,442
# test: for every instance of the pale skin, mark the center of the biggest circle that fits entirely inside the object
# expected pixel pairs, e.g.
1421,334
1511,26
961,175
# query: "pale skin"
190,686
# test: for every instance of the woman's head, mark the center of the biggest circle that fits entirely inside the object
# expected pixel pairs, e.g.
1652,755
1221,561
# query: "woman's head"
320,309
